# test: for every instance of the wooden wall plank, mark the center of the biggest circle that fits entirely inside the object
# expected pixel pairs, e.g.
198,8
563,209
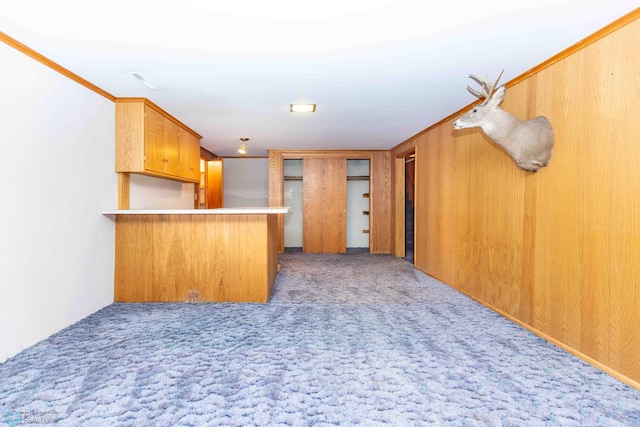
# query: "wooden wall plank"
127,259
195,269
124,190
380,217
165,247
273,267
435,237
398,211
597,179
247,257
560,238
502,208
276,190
218,263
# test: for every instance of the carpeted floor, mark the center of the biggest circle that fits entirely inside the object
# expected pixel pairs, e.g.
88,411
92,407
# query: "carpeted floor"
351,339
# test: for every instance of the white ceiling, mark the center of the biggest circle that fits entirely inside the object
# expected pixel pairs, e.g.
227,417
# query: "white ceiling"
380,71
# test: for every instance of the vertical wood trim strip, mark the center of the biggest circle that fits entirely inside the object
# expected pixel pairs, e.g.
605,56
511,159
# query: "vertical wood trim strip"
381,203
124,189
276,191
398,216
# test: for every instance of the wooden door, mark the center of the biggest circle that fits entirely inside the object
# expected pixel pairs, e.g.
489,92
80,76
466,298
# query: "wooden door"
324,205
215,184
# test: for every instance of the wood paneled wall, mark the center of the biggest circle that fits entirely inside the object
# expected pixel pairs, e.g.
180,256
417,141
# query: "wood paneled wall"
558,250
380,189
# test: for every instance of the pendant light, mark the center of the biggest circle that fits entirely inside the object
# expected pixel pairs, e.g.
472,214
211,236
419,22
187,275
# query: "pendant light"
243,147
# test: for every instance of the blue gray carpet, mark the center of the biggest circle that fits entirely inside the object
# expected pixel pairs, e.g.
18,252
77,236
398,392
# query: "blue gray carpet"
351,339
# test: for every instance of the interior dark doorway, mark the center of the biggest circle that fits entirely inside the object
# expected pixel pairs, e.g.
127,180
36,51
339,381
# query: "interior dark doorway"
409,203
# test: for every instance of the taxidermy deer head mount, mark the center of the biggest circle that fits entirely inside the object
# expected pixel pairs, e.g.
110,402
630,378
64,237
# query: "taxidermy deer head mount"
528,142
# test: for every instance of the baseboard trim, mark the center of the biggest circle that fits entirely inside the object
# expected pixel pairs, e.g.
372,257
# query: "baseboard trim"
598,365
593,362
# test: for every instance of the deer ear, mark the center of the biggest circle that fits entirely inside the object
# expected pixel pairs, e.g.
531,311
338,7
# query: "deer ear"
497,97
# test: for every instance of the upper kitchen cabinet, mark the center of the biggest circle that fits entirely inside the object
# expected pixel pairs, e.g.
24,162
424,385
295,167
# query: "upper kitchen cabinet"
152,142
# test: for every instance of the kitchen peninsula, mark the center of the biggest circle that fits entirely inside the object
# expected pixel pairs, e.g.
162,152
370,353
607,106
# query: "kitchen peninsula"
196,255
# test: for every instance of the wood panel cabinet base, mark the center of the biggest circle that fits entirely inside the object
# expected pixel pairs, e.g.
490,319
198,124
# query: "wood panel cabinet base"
195,258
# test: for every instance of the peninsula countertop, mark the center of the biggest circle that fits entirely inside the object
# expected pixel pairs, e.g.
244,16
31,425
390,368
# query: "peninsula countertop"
219,211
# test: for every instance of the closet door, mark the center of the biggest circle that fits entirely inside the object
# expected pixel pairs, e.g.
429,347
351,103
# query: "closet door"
324,193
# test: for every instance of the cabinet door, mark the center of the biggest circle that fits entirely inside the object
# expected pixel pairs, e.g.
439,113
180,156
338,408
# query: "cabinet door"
161,143
215,184
189,155
324,205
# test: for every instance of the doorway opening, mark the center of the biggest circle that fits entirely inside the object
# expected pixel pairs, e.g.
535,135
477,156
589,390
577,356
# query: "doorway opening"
409,204
293,198
358,206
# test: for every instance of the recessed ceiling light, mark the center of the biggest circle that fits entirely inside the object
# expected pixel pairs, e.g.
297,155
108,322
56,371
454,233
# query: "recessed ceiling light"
303,108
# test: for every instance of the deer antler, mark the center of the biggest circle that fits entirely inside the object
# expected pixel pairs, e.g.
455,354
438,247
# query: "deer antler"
487,87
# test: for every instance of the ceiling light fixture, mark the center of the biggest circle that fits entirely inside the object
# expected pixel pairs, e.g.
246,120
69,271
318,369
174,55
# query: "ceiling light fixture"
144,80
243,147
302,108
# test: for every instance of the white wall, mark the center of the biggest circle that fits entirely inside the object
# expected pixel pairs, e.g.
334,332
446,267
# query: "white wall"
356,220
148,192
57,174
246,182
356,203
